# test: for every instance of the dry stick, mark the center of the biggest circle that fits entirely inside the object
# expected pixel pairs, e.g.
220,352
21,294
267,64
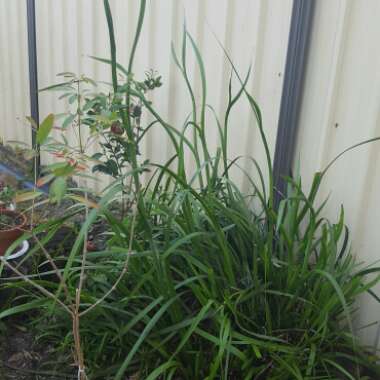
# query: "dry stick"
84,252
77,341
52,263
40,288
123,272
76,318
7,226
76,315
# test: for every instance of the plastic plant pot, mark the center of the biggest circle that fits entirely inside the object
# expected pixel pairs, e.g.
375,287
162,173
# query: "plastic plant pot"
8,236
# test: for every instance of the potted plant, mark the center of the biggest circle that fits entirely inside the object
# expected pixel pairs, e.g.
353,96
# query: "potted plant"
7,195
12,223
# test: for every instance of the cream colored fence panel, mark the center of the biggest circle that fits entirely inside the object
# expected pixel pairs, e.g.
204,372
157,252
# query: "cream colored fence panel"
341,107
14,78
69,31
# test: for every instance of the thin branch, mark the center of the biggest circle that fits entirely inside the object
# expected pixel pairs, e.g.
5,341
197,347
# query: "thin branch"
122,273
55,268
40,288
84,254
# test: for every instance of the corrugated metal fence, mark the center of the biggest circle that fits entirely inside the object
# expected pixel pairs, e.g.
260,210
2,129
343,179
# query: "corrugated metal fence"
340,105
68,32
14,78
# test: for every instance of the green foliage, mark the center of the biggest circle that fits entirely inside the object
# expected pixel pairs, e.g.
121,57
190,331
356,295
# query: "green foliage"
7,194
220,284
204,298
111,118
44,129
58,189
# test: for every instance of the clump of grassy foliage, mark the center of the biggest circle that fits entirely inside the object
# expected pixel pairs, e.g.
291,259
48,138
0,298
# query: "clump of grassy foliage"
218,284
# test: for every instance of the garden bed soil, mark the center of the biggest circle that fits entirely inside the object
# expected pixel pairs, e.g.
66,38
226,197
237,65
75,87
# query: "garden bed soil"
23,358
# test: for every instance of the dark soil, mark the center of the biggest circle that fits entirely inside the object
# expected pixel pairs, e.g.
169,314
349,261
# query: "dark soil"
22,358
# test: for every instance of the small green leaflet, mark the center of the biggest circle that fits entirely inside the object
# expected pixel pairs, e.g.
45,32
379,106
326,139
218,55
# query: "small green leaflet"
44,129
58,189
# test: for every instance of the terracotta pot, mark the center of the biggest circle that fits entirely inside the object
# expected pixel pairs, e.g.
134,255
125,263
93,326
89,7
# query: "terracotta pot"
7,237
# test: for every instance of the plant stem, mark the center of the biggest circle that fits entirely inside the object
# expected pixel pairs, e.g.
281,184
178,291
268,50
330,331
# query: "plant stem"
76,318
122,274
77,339
79,118
34,284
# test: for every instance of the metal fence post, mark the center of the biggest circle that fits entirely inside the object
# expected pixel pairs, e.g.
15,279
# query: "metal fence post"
298,43
33,74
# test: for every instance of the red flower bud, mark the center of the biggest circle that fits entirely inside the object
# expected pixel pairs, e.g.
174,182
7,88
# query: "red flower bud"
117,129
